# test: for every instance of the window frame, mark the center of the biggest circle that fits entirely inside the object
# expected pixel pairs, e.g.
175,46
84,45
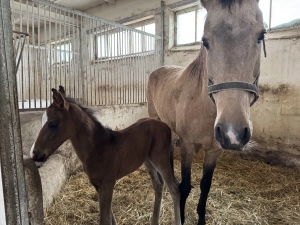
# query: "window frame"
183,11
131,51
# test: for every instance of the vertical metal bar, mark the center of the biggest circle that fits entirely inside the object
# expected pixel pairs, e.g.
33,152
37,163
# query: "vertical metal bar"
270,18
58,49
20,39
75,50
11,156
96,61
162,19
122,60
70,52
118,66
34,54
81,39
50,57
110,65
55,51
28,55
64,63
39,55
46,58
88,74
93,44
106,63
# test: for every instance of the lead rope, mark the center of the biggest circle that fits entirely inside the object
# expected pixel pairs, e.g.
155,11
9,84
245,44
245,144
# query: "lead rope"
264,46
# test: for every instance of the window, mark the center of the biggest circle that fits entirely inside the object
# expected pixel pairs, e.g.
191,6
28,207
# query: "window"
63,53
189,25
284,14
116,43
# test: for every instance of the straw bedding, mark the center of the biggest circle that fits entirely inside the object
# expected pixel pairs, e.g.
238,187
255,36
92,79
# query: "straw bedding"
243,192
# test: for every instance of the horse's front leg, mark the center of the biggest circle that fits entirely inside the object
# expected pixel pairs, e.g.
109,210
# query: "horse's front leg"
187,154
209,164
105,193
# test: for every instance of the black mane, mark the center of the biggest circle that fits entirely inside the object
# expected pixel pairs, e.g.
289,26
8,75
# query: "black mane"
229,3
89,112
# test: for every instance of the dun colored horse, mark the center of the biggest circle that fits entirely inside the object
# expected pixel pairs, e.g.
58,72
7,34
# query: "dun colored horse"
109,155
227,69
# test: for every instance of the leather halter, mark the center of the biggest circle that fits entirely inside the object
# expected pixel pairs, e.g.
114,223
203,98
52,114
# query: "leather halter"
253,88
214,88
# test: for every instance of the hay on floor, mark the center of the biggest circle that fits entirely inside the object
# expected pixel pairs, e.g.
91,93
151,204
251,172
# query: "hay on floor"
243,192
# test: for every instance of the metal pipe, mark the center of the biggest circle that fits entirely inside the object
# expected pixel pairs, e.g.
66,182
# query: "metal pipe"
11,156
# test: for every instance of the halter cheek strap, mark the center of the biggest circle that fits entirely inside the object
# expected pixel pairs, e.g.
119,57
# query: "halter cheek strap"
253,88
214,88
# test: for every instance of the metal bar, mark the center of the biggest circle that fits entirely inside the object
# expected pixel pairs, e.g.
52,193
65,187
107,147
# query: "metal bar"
45,60
270,18
88,16
15,199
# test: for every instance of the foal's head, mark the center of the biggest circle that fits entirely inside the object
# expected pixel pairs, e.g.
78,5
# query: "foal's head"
233,34
57,129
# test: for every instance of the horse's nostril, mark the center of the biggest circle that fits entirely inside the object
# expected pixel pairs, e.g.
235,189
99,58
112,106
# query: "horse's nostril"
246,136
245,133
218,134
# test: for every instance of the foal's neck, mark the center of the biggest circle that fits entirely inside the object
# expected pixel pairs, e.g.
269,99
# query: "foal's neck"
87,132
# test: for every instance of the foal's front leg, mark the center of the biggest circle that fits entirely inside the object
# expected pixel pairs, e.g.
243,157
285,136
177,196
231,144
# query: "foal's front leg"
105,193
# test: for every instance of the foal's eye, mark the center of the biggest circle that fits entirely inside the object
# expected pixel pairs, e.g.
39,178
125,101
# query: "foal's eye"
261,37
53,124
205,43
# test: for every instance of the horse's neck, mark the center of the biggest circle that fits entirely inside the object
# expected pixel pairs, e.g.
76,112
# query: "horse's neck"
87,133
194,75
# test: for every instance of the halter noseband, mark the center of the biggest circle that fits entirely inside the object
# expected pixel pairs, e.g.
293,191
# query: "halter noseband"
214,88
253,88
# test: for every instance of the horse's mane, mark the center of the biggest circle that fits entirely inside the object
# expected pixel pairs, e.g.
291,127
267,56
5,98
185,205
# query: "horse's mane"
229,3
198,66
89,112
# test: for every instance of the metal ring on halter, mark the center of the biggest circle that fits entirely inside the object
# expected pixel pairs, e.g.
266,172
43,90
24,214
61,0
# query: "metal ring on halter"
214,88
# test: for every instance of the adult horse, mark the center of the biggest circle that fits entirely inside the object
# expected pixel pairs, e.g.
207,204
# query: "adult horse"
228,71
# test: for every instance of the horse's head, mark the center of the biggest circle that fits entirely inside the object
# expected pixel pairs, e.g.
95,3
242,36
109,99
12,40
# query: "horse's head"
55,130
233,34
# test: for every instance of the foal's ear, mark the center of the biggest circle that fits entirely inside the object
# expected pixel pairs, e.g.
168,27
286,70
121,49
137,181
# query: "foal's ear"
59,100
62,91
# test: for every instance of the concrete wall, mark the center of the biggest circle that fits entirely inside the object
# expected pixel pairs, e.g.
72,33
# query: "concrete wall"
276,115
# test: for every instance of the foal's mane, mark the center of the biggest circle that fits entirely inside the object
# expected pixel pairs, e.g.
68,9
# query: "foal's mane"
89,112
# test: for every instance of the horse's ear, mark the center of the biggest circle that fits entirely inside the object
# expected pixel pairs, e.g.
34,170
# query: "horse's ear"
59,100
205,3
62,91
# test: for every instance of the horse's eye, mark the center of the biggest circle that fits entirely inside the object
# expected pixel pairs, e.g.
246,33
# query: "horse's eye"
261,37
53,124
205,43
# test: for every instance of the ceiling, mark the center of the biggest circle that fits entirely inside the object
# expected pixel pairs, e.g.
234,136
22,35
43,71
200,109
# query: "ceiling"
81,4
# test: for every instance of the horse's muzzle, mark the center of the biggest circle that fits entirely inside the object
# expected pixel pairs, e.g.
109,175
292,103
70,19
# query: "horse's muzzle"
37,158
232,140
